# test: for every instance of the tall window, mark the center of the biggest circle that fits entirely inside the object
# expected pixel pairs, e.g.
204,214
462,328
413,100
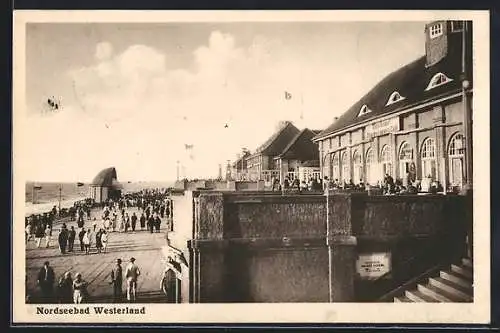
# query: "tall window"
456,152
385,159
405,158
345,167
358,167
371,167
335,166
428,155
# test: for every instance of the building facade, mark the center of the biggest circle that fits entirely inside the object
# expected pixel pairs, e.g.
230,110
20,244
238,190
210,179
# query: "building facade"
261,164
415,124
300,158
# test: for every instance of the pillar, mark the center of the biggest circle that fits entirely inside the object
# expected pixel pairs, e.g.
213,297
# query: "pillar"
343,210
394,155
210,245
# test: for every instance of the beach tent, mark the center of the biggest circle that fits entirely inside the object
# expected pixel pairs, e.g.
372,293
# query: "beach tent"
105,186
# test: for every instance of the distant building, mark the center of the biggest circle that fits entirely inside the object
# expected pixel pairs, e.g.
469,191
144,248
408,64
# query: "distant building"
289,152
261,164
239,167
415,123
105,186
300,158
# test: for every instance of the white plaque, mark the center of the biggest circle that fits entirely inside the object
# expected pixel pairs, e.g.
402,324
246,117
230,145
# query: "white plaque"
373,265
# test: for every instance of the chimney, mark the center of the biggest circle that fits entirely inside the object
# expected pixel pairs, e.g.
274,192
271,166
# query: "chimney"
442,38
281,124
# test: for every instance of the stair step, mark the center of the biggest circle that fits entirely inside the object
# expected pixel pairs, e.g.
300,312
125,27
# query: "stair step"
457,279
418,296
402,299
444,296
434,293
467,262
462,270
451,289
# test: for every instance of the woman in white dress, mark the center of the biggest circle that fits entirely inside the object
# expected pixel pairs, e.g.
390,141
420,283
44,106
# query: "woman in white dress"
122,223
104,240
86,241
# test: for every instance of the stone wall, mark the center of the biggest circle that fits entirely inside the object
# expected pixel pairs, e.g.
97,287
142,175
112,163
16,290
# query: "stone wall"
256,247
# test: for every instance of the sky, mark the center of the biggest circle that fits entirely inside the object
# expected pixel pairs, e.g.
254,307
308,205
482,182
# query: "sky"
133,96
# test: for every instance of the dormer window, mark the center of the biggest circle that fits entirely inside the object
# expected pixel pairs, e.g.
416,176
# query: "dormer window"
438,80
395,97
364,110
435,30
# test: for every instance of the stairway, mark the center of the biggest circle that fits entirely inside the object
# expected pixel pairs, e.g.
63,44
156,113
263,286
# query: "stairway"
453,285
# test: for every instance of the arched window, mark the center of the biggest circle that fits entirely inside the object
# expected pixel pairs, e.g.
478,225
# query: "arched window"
335,167
405,157
385,160
438,80
364,110
345,175
428,156
456,152
358,167
371,167
395,97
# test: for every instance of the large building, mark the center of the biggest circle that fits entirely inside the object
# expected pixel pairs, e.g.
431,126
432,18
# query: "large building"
412,124
289,152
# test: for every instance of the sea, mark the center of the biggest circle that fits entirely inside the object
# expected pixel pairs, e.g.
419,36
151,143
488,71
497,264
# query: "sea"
47,196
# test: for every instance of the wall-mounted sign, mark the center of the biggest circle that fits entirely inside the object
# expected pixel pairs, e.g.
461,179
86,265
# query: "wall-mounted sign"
382,127
373,265
406,154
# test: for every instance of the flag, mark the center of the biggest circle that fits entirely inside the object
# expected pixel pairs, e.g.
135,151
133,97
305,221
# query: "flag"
188,146
79,184
37,187
288,95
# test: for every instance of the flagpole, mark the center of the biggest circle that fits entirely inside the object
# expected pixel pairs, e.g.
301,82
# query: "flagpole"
60,190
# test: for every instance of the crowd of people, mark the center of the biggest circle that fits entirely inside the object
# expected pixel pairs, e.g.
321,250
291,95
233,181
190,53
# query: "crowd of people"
388,186
69,290
115,215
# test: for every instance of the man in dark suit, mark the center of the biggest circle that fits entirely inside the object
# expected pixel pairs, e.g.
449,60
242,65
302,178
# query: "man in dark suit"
45,280
117,281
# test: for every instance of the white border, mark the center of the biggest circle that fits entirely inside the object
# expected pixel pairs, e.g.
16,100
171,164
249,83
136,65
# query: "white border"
477,312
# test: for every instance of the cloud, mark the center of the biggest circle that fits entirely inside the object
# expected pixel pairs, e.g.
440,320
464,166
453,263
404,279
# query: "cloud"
135,112
103,51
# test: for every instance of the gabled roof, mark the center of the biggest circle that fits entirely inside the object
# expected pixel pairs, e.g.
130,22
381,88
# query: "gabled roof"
411,82
301,147
278,141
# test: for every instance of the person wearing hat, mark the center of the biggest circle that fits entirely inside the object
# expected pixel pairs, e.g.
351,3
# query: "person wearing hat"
117,281
63,238
132,274
45,280
65,288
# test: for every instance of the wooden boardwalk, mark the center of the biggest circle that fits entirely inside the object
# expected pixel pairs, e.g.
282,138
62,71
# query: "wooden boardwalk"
96,268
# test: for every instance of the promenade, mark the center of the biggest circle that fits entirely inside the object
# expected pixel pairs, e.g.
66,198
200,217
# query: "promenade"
96,267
